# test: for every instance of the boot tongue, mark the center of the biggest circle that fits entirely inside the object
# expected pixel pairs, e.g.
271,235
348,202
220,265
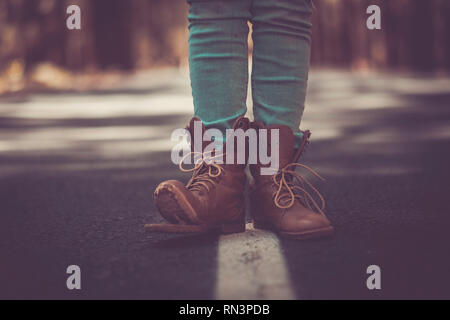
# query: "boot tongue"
197,130
285,143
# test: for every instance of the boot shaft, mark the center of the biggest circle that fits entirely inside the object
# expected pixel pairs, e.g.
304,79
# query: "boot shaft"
231,152
278,143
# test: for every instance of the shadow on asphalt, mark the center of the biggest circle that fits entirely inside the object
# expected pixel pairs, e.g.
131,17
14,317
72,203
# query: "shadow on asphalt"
390,211
84,200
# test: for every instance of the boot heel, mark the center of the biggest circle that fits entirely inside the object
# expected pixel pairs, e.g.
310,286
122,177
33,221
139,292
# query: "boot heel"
235,226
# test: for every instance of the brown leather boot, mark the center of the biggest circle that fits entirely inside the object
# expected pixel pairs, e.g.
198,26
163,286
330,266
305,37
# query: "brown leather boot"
280,205
212,200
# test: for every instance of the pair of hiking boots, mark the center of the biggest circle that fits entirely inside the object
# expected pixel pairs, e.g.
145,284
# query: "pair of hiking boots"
213,199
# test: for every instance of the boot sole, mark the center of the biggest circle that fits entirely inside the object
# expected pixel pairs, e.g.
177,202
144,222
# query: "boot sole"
175,208
226,228
306,235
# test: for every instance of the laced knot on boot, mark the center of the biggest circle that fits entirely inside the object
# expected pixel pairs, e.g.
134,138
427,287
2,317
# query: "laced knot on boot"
288,192
205,171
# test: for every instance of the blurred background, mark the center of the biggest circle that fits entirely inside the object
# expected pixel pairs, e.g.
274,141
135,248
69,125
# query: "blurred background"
85,123
37,51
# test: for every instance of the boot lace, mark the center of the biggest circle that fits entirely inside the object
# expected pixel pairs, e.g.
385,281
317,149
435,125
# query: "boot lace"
205,170
288,191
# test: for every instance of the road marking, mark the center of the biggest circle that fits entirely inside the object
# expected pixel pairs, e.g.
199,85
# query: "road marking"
252,266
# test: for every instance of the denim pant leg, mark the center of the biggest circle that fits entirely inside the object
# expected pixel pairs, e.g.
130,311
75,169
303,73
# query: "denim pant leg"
218,60
281,53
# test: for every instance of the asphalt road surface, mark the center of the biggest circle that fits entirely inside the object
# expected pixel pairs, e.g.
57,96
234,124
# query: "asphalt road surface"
77,173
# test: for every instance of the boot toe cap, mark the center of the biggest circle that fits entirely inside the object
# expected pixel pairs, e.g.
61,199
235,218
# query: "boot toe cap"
169,185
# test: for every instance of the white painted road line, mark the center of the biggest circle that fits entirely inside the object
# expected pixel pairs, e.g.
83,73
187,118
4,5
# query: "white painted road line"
252,266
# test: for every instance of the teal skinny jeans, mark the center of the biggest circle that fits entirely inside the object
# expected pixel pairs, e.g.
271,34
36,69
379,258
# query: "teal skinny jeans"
218,60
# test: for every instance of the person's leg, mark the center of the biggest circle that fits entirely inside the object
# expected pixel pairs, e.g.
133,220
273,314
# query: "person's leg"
213,199
281,36
285,202
218,60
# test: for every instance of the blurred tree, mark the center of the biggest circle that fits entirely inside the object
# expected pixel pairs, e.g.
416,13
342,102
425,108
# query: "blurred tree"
134,34
112,32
